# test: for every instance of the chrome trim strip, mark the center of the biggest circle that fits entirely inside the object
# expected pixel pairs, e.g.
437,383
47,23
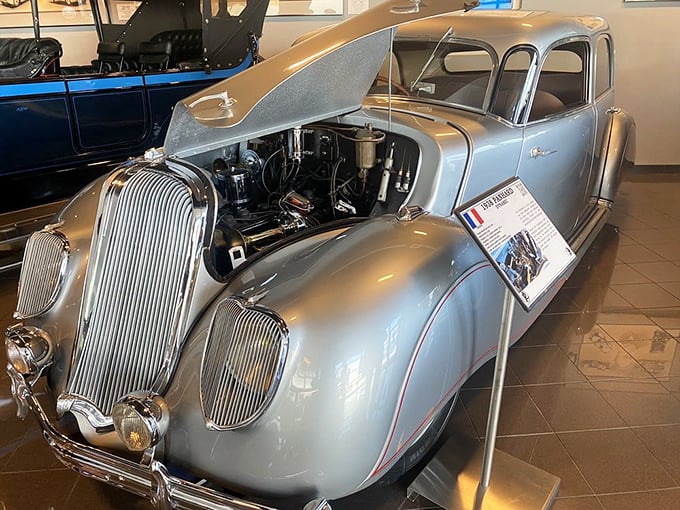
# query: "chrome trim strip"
152,482
594,223
87,410
9,267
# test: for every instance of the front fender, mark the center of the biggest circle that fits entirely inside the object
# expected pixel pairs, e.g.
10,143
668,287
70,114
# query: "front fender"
76,222
358,305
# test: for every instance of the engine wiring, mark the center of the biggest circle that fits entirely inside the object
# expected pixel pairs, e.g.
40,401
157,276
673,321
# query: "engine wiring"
274,186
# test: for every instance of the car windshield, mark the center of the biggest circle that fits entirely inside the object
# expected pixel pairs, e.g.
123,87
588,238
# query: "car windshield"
454,72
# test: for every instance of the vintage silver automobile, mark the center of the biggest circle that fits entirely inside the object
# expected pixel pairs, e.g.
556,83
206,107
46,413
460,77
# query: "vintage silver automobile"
281,300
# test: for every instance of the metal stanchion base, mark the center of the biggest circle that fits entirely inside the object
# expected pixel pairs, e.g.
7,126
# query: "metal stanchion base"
451,478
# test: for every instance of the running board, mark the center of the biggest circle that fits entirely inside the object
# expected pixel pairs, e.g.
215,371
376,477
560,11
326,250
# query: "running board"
582,238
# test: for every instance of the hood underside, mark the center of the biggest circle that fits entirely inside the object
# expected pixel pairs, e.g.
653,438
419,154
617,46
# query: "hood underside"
322,76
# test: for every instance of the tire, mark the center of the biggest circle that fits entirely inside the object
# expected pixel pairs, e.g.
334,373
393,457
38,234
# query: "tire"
417,451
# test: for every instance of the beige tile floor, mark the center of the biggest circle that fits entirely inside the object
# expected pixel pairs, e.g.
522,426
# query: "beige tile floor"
593,388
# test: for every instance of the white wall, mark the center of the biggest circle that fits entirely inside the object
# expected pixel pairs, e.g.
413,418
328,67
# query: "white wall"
647,42
647,59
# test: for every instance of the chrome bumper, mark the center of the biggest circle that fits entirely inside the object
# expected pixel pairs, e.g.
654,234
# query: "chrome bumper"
151,481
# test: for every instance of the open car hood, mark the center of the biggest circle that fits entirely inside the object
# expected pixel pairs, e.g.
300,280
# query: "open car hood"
324,75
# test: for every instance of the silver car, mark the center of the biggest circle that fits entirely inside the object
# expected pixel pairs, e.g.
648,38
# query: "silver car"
281,300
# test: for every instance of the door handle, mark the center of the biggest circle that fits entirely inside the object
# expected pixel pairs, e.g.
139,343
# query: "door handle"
537,151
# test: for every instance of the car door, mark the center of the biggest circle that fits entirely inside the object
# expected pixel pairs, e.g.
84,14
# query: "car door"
109,111
35,124
557,153
603,87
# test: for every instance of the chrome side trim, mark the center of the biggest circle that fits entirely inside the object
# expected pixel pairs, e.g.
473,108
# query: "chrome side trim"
152,482
242,364
592,225
44,267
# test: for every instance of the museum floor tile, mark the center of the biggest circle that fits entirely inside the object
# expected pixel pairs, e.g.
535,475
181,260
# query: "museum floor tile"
592,390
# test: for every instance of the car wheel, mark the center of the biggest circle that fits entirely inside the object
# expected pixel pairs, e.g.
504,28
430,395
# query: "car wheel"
416,452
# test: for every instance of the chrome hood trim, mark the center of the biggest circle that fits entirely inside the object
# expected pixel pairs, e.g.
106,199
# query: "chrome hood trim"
286,90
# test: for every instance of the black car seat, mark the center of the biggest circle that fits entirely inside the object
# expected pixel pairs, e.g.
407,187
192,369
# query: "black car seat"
28,58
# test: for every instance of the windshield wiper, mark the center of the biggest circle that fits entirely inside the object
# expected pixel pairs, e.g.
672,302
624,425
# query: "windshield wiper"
429,60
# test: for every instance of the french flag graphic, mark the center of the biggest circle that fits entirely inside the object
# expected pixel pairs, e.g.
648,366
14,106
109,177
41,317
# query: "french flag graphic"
473,218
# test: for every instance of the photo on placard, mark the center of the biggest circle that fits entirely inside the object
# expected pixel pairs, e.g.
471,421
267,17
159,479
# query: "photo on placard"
521,259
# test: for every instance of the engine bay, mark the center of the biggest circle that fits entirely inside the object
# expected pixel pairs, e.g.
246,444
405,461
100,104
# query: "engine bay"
281,184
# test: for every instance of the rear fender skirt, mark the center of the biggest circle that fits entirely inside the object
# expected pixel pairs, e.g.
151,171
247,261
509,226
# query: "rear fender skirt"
617,152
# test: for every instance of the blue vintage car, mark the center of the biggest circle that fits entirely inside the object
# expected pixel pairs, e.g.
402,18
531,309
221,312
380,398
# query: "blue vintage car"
70,124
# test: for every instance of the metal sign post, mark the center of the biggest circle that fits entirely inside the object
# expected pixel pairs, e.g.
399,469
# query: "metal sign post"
496,398
530,255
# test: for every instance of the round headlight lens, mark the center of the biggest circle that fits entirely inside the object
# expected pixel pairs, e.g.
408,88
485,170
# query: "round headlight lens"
131,427
16,358
141,420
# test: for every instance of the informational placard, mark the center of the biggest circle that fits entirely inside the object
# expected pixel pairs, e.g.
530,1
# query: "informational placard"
519,239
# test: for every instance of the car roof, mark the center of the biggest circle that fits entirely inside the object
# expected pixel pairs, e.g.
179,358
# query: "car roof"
329,73
506,29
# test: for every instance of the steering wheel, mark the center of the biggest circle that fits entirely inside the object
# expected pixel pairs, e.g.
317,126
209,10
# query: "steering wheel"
400,88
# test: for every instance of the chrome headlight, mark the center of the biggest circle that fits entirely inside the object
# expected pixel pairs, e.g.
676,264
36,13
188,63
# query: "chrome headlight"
42,272
29,349
141,419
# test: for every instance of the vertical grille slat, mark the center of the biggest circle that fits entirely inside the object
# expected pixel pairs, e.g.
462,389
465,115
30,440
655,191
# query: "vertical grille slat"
44,261
242,363
144,257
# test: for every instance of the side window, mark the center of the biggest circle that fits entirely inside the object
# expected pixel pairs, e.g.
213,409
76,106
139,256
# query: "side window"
468,71
451,71
603,69
562,82
510,96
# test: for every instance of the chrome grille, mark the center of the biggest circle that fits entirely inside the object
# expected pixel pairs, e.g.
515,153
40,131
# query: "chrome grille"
242,363
43,268
145,255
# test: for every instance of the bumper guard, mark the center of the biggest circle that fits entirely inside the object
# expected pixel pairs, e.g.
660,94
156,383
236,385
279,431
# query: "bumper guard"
151,481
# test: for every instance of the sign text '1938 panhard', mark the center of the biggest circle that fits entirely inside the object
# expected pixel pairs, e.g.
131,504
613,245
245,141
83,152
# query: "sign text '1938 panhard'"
518,238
